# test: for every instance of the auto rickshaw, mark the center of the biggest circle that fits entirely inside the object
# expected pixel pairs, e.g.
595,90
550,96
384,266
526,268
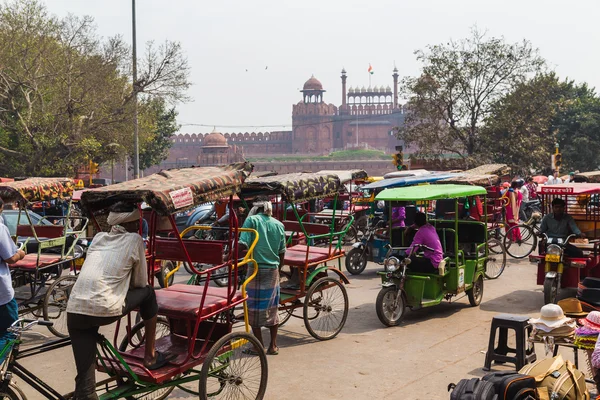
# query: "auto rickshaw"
464,243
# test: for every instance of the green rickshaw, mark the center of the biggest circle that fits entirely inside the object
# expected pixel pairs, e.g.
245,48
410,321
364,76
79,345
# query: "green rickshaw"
464,244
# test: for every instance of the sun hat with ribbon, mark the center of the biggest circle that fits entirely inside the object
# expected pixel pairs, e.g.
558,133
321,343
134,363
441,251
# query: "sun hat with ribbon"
552,316
572,307
592,321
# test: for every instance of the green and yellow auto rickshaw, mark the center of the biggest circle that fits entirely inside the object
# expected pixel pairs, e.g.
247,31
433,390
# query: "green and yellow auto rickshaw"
464,245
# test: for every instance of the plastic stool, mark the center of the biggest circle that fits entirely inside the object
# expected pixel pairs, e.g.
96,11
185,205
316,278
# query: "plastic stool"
523,354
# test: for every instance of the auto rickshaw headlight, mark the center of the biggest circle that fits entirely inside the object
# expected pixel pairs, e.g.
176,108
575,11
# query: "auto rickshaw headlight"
391,264
553,250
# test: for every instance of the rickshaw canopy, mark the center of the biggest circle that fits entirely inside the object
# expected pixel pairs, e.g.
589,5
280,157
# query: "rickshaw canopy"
407,181
34,190
172,190
294,187
571,188
590,176
346,176
433,192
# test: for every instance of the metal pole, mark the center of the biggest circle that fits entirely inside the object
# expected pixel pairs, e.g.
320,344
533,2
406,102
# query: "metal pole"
136,160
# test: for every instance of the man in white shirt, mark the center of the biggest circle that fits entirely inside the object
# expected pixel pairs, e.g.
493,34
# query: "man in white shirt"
554,179
113,281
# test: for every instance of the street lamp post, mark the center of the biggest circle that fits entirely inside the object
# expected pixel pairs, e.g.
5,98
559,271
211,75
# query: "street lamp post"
136,159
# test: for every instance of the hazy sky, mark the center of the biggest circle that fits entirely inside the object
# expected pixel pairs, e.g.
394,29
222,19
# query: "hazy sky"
294,39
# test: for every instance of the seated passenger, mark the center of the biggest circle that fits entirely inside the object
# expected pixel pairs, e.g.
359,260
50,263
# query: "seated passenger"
557,224
426,235
113,281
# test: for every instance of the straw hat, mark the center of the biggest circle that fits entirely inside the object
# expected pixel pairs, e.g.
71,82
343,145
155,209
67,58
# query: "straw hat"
572,307
552,317
592,321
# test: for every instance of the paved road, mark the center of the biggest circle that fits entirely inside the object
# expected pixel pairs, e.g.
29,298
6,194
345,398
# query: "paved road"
416,360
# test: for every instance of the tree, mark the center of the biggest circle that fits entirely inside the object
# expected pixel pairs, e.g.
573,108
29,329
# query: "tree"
65,95
460,81
162,125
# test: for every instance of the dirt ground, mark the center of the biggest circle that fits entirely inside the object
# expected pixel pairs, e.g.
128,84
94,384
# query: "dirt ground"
417,360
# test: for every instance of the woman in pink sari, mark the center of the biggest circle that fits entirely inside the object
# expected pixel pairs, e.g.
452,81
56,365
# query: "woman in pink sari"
512,209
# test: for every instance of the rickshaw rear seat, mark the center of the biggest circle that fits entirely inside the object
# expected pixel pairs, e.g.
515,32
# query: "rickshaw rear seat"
298,258
209,252
183,301
42,231
313,249
29,262
309,227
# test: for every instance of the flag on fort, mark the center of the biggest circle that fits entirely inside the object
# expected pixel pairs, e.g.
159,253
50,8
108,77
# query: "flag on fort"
370,69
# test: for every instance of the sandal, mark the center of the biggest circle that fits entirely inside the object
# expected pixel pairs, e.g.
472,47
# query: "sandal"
273,352
162,359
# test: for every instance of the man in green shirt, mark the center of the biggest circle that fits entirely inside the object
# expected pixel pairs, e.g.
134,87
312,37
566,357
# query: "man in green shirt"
263,290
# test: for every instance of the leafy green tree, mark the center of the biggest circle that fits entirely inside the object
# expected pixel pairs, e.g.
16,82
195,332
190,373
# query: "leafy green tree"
454,94
162,125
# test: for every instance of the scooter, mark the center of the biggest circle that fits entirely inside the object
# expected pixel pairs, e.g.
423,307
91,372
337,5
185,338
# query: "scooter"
554,266
370,248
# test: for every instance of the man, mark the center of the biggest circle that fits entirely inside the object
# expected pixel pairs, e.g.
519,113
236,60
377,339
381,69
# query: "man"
113,281
9,254
532,188
427,236
554,179
263,290
557,224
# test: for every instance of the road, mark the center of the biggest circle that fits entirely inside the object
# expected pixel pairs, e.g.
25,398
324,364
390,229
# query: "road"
417,360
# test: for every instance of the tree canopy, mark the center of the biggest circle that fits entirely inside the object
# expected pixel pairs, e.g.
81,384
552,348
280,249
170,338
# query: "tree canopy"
66,95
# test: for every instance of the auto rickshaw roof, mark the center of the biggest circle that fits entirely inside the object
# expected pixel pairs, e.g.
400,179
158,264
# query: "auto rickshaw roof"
346,176
589,176
172,190
430,192
294,187
33,190
407,181
571,188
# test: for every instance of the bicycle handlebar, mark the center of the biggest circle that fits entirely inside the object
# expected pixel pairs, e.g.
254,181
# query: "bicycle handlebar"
28,324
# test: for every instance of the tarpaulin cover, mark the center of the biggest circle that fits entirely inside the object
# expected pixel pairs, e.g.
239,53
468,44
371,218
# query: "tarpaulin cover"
32,190
294,187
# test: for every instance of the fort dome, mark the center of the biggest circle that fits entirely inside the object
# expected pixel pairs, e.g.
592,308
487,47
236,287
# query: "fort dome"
214,139
313,84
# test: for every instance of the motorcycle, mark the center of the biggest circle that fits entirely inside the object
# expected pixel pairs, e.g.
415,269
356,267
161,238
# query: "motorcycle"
554,266
371,247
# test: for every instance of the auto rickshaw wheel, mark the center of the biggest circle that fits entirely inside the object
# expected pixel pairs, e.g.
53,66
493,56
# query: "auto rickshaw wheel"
475,294
356,261
551,289
55,304
325,308
390,308
235,367
166,266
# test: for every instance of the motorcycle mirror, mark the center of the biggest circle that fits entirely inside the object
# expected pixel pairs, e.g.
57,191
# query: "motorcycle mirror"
407,261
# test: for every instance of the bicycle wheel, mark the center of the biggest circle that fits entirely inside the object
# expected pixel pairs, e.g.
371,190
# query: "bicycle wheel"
520,241
12,392
55,304
495,246
325,308
495,263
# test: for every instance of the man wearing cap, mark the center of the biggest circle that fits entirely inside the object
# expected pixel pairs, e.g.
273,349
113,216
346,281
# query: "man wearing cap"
113,281
557,224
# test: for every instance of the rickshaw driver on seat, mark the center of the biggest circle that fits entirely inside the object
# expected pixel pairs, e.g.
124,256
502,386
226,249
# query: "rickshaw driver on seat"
426,235
113,281
557,224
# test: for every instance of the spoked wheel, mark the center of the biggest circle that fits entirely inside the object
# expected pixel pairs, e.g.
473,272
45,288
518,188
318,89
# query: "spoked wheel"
55,304
325,308
12,392
166,267
234,368
356,261
134,339
361,224
520,241
390,306
351,235
551,289
223,279
495,245
285,315
476,292
495,262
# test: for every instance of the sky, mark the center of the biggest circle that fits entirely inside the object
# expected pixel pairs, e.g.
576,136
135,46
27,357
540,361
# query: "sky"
250,58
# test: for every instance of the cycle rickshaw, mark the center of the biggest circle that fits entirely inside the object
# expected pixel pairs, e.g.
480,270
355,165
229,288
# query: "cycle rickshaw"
40,288
226,363
320,292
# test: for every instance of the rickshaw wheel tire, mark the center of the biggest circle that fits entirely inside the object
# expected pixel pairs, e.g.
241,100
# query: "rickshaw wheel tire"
361,226
499,258
257,350
352,235
355,264
475,294
379,305
527,234
284,316
12,392
551,289
166,267
310,320
69,280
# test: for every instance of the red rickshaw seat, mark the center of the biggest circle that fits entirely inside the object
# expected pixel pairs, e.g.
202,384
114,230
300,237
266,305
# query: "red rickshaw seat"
29,262
298,258
313,249
183,301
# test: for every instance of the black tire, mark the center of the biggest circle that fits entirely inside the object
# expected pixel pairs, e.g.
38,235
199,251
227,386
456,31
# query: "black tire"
227,371
495,245
188,268
166,266
520,248
55,304
551,289
475,294
362,224
12,392
384,305
356,261
325,305
351,235
285,315
224,281
495,262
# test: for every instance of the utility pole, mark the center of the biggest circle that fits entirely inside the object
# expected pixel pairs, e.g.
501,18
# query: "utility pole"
136,144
